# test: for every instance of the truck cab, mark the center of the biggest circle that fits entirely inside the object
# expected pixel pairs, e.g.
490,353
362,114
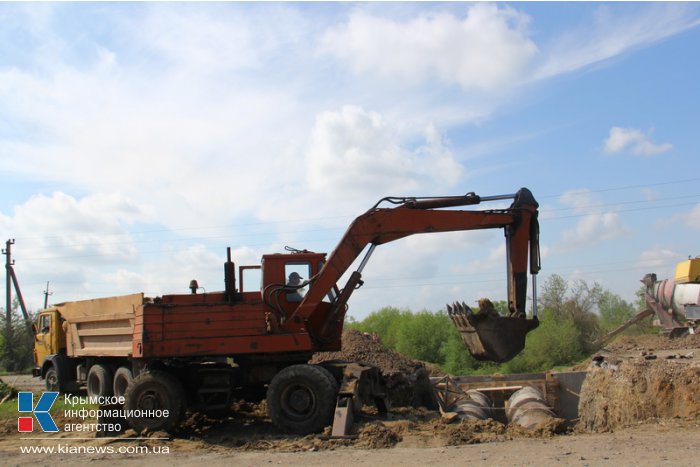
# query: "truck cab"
50,338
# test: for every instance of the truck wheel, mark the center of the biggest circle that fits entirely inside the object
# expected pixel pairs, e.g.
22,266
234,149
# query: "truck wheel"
99,381
51,379
122,380
301,399
161,396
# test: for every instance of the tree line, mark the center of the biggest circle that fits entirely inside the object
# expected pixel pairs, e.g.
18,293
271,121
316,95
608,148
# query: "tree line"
572,317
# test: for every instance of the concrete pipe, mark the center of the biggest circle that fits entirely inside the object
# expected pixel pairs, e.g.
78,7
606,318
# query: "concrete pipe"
527,408
483,400
477,407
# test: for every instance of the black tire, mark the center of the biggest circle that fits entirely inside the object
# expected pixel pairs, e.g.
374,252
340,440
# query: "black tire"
155,391
301,399
63,377
51,378
122,379
99,381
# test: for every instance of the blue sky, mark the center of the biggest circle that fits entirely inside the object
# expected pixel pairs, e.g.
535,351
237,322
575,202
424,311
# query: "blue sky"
139,140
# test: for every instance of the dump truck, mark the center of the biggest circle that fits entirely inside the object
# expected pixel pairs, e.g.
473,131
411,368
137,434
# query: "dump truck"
199,350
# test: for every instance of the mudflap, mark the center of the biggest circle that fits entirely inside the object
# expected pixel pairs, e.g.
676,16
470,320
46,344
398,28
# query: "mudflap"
488,337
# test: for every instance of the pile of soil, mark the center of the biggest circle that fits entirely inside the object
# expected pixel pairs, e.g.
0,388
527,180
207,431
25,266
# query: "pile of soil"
653,342
407,381
639,378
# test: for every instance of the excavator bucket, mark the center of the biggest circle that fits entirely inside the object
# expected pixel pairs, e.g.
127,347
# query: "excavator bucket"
490,337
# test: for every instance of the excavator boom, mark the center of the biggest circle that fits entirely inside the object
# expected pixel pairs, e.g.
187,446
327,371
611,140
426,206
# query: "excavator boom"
497,340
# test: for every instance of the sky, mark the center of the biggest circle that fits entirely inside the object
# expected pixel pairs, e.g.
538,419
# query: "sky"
139,140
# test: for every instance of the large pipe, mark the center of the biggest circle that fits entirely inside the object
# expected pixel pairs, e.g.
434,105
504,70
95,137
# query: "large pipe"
476,407
672,296
527,408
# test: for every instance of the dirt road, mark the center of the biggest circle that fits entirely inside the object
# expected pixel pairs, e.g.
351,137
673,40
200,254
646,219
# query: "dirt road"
672,442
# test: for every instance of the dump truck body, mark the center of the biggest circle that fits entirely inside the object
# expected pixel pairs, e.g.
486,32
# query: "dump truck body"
102,327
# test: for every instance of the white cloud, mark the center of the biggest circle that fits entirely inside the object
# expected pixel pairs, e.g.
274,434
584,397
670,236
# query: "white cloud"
634,141
95,225
486,49
596,224
612,33
659,260
357,153
650,194
66,241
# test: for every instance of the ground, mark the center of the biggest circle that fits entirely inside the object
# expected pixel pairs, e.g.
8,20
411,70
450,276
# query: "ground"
640,405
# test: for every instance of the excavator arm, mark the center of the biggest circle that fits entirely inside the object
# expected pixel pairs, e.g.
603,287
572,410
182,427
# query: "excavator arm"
427,215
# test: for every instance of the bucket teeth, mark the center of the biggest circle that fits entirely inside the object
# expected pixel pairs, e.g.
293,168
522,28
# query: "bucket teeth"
460,313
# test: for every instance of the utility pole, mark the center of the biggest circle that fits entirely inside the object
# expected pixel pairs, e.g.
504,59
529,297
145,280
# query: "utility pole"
9,354
11,279
46,296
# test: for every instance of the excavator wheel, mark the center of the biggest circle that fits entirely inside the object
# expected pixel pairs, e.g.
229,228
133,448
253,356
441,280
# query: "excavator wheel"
155,392
301,399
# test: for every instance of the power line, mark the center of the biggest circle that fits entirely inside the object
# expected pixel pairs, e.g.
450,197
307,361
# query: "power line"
261,234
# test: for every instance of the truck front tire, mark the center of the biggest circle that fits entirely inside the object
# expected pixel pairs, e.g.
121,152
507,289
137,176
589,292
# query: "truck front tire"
301,399
160,396
51,379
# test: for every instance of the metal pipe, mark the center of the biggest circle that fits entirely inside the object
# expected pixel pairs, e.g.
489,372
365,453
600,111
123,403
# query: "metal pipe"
364,261
534,296
497,197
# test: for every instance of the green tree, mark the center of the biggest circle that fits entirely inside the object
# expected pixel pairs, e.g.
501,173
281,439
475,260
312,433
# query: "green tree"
386,323
18,354
554,343
614,311
576,304
423,335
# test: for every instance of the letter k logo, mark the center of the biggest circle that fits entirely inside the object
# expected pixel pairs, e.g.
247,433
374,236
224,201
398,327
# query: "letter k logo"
25,403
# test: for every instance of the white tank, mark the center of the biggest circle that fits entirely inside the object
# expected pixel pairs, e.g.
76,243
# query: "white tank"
681,298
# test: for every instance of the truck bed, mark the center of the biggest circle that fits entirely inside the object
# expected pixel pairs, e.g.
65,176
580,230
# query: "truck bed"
101,327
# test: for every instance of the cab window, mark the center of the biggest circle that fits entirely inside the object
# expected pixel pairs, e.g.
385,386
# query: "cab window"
296,275
44,324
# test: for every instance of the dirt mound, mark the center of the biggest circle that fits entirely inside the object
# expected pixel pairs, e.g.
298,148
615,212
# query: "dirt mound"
377,436
653,342
407,380
623,392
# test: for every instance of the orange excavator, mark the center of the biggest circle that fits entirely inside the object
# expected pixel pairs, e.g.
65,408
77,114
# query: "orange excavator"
199,350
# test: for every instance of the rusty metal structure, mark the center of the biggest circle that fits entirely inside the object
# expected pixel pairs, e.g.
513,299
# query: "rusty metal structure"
175,351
